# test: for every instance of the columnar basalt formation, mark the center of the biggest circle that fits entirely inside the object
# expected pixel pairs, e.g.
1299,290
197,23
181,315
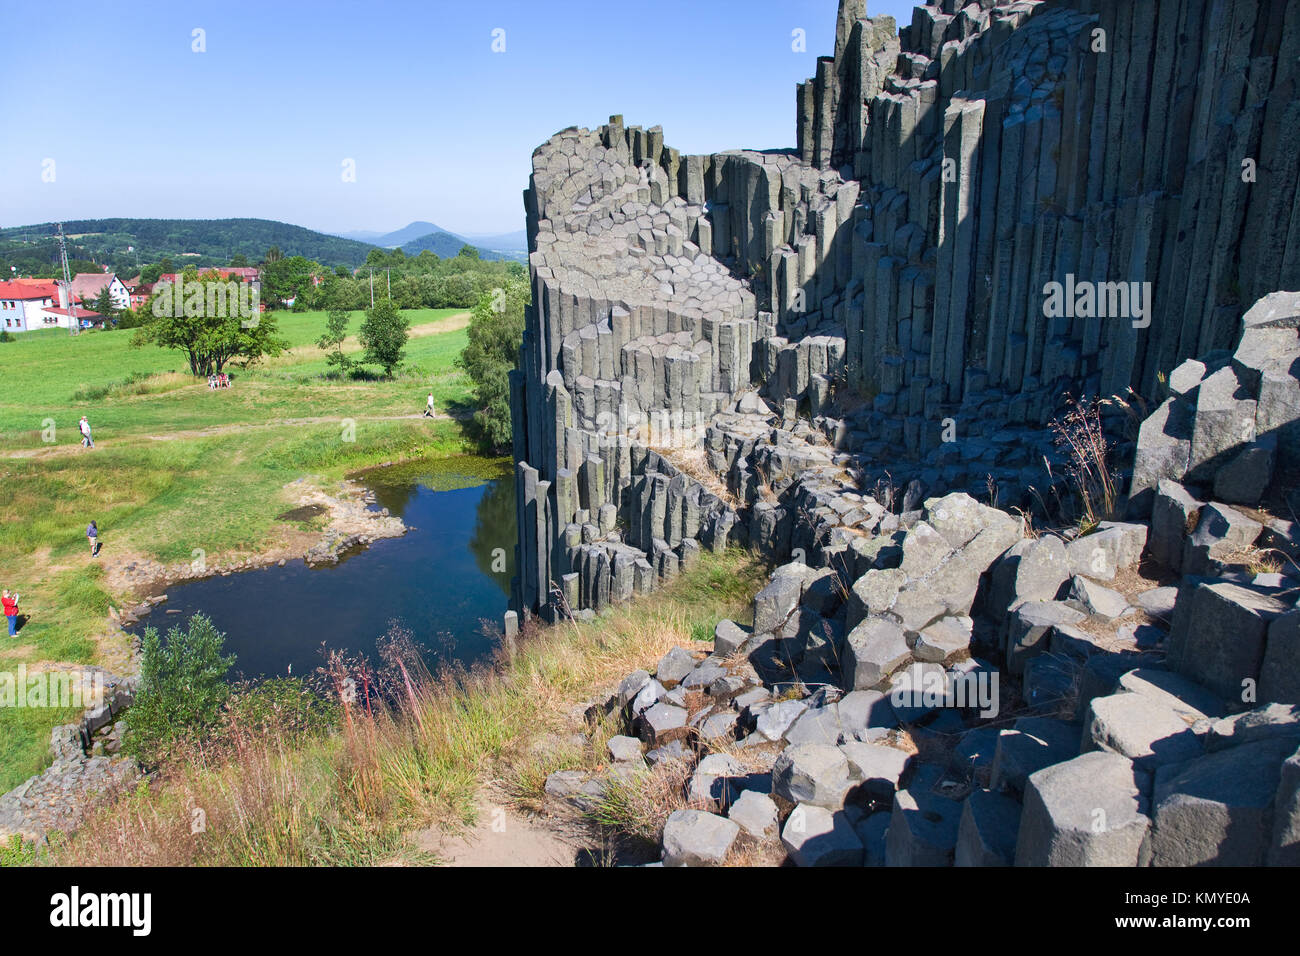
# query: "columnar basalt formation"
887,285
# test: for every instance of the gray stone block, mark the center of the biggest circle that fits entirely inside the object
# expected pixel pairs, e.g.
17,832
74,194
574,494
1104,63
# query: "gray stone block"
696,838
674,666
1089,811
873,650
1218,634
1033,570
756,814
1243,479
780,597
943,639
812,773
1030,745
1217,809
624,748
1284,848
1279,674
1095,600
662,723
1268,722
728,637
1030,627
816,836
873,594
1174,512
775,719
922,826
1141,728
1190,700
878,767
986,834
1220,532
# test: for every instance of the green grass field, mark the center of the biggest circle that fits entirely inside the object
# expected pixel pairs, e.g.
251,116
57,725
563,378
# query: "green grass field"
178,467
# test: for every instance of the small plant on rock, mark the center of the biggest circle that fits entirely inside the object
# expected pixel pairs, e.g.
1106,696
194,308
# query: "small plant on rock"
1078,434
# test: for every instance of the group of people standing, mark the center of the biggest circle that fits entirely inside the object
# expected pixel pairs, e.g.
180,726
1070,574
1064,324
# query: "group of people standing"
219,380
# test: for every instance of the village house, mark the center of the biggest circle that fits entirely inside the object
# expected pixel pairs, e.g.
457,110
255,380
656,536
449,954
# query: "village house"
25,305
86,286
237,273
139,292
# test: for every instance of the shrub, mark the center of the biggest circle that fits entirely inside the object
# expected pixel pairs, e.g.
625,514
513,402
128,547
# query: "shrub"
1078,433
182,690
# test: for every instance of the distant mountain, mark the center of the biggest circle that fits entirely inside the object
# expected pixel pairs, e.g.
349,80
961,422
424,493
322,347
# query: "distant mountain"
420,235
502,242
200,241
413,231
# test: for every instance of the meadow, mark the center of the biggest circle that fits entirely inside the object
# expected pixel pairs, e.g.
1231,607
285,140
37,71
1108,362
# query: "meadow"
178,467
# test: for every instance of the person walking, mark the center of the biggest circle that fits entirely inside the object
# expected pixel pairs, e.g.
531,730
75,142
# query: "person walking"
92,534
84,427
428,407
10,603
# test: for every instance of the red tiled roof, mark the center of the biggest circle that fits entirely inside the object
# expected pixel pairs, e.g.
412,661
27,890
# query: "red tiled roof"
81,313
28,289
247,273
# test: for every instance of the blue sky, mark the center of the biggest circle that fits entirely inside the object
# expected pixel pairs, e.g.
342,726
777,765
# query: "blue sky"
440,127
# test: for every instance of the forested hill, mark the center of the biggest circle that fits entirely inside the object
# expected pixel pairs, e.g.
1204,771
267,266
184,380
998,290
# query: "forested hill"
201,241
445,245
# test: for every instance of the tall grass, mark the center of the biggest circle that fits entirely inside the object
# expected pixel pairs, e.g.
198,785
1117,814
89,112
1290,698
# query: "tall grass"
407,750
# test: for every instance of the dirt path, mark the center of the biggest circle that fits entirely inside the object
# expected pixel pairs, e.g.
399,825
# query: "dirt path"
56,450
504,837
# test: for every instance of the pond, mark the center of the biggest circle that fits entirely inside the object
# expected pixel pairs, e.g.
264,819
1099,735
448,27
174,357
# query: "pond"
446,580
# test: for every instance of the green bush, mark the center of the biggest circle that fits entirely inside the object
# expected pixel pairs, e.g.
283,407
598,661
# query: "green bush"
17,852
182,689
496,329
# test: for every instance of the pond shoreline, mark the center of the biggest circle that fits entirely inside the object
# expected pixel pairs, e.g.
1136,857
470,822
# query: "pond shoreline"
448,578
352,525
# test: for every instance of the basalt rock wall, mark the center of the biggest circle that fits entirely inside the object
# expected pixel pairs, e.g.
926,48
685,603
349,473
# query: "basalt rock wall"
896,261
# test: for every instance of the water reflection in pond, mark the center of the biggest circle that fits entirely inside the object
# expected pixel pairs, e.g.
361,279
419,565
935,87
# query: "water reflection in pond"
442,580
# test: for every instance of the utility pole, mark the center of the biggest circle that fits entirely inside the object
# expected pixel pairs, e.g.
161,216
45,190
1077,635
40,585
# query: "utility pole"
73,324
390,283
372,287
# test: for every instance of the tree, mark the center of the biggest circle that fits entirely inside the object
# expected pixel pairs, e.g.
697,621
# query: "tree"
383,335
151,273
239,261
103,304
273,255
205,317
182,688
468,252
287,279
496,328
336,330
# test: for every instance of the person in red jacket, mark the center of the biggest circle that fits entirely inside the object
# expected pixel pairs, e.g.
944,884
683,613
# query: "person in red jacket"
10,602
